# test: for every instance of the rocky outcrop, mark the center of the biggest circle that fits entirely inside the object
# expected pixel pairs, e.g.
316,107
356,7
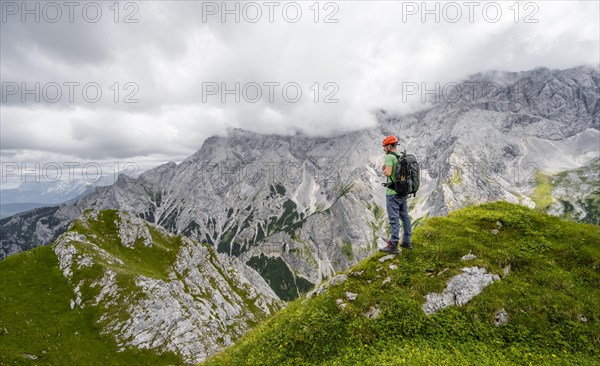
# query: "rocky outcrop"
194,306
131,229
460,289
575,193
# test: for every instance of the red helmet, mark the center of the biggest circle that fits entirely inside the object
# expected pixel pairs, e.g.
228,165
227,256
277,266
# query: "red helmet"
391,139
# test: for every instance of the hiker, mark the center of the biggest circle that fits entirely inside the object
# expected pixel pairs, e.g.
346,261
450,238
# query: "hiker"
397,205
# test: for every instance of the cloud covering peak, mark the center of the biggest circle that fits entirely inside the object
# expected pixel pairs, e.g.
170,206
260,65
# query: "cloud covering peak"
150,81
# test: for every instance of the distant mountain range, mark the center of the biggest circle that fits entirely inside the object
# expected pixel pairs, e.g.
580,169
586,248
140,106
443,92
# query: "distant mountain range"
10,209
52,192
31,194
298,209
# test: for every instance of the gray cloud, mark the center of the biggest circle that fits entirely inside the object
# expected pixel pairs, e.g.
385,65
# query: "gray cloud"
170,52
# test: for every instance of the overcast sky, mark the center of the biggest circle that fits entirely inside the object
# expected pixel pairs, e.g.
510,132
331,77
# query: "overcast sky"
170,59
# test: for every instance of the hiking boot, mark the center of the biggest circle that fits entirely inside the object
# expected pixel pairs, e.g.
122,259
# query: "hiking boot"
406,245
390,248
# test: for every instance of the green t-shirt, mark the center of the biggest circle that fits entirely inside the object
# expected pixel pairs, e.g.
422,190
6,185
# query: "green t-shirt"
391,160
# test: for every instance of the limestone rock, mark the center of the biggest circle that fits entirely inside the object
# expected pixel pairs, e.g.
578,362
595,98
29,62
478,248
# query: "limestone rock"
131,228
460,289
385,258
468,257
341,304
373,312
501,317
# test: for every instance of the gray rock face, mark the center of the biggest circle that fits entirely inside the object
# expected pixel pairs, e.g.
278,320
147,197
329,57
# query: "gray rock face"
204,302
131,228
575,192
33,228
301,199
460,290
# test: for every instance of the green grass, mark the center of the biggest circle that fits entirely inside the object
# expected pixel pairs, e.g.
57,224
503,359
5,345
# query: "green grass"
150,261
347,250
36,319
456,178
542,194
554,280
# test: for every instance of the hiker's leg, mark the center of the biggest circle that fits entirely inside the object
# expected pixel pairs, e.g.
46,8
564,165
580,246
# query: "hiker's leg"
406,225
393,209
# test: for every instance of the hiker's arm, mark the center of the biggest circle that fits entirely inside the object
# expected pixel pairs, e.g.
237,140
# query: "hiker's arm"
387,171
387,167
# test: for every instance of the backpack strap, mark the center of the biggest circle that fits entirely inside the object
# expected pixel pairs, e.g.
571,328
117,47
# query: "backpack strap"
402,154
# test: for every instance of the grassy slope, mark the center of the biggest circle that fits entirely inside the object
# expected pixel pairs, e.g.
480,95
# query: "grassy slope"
542,194
554,279
36,319
35,300
151,261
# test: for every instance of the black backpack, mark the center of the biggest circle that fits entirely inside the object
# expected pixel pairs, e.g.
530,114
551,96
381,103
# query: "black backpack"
407,179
